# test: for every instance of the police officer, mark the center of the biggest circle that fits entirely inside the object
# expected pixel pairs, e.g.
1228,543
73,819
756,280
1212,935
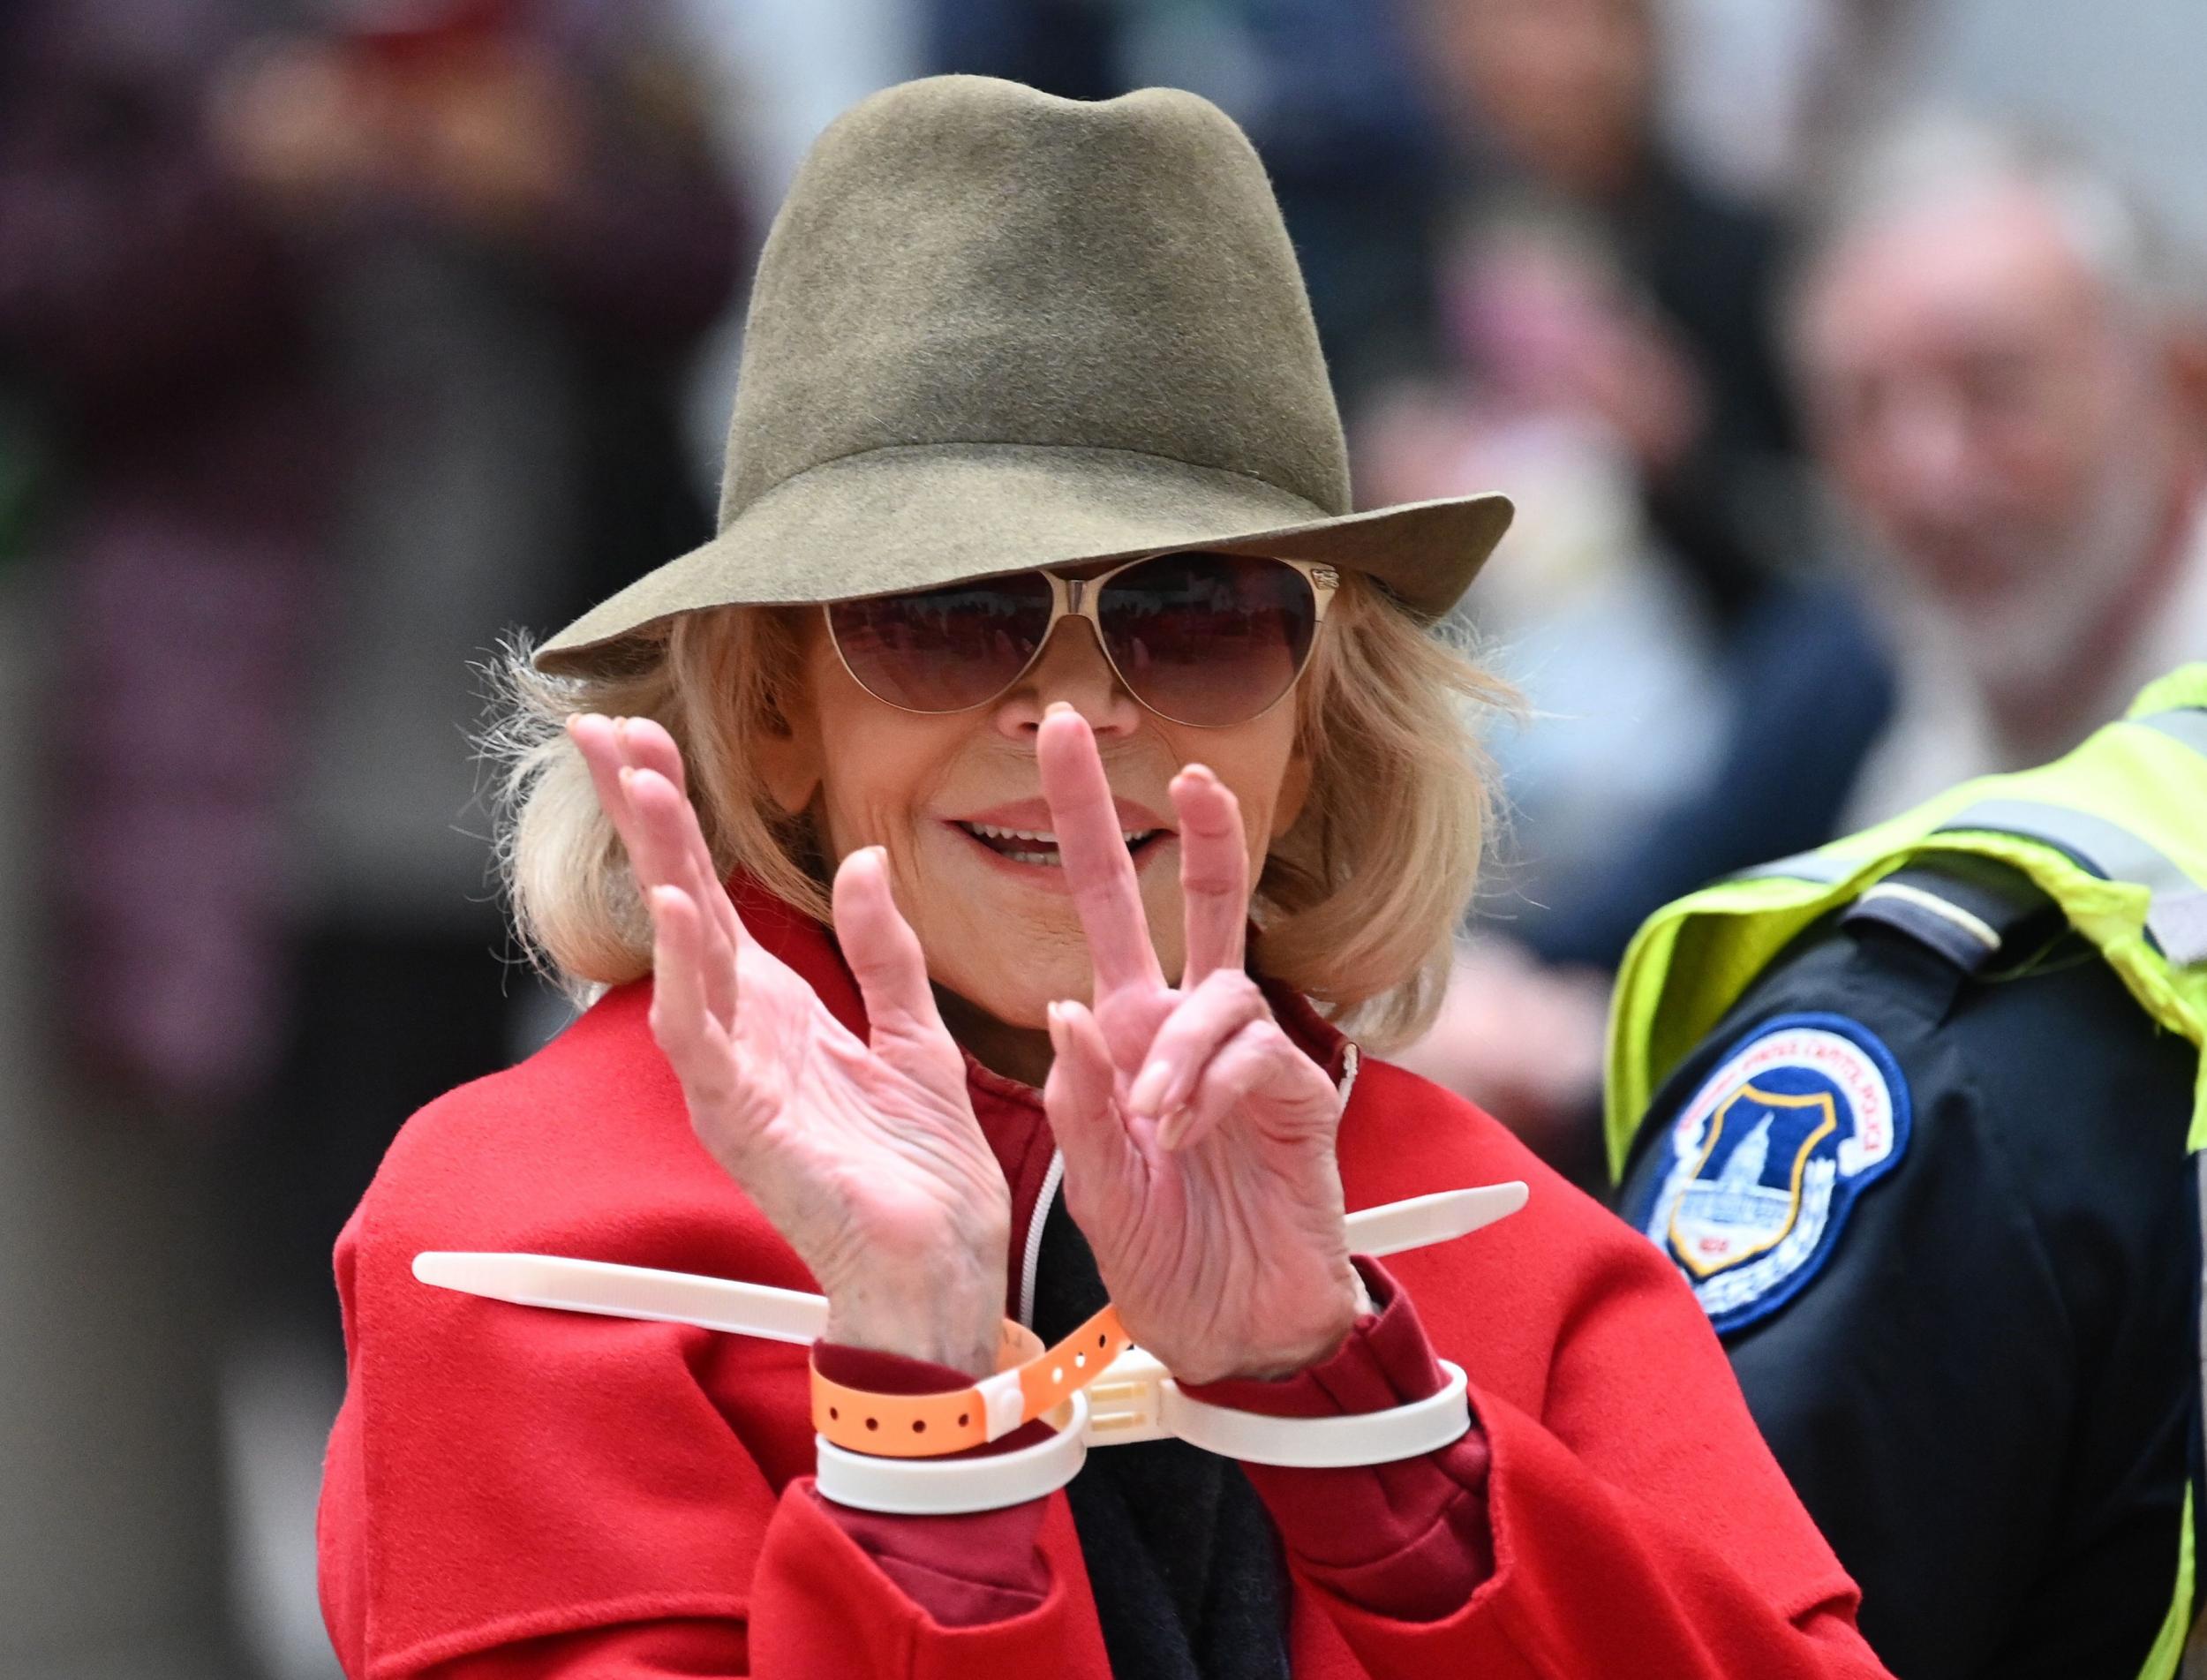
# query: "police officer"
1911,1113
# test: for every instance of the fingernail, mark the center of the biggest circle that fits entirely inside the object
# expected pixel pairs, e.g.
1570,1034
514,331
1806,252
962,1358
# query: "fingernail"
1056,1028
1172,1129
627,775
1056,706
1149,1094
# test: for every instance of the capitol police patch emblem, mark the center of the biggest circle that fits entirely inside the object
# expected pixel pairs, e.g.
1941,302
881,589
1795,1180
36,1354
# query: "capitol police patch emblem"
1767,1157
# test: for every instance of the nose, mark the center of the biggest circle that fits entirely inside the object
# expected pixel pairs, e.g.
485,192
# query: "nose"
1923,448
1073,669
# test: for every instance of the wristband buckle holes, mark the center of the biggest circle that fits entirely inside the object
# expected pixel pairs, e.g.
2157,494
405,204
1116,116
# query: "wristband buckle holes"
1031,1383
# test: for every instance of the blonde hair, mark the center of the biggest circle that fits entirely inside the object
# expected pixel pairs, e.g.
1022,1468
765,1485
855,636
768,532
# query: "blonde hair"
1357,905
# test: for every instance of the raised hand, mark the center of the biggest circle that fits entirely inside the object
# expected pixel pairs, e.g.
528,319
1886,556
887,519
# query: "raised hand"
1199,1140
865,1156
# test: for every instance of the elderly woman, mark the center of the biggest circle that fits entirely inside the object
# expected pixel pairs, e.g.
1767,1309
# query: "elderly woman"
961,958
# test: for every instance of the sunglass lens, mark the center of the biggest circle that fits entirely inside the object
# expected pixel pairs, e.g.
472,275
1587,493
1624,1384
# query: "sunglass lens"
1208,639
943,650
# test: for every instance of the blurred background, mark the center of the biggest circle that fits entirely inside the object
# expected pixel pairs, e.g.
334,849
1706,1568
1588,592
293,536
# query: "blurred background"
1845,358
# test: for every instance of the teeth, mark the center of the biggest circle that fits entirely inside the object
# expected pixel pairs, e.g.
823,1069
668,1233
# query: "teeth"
987,831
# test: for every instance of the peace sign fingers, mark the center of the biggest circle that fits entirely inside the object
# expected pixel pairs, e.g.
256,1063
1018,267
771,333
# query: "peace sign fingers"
1214,874
1098,867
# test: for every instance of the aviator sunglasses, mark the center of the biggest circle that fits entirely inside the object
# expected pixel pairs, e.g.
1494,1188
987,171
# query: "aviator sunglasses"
1198,638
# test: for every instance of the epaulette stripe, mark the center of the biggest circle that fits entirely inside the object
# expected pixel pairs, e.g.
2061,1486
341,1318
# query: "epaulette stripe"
1975,926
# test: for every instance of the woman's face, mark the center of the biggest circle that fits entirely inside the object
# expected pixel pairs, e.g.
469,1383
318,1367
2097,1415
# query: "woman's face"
951,795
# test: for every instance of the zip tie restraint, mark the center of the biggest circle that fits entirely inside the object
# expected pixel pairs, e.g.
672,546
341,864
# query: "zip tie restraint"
1029,1383
886,1451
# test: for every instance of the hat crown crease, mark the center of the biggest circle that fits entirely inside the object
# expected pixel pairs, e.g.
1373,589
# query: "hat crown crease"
964,261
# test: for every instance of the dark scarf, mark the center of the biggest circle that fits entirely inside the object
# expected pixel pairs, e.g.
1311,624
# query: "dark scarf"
1186,1568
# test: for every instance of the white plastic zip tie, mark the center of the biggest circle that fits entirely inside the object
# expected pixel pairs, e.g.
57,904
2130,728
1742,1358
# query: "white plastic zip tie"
948,1487
790,1316
1422,1221
1324,1444
630,1292
1134,1399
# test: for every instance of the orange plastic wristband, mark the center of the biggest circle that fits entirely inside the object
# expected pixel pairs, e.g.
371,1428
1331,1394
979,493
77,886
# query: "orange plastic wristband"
1029,1381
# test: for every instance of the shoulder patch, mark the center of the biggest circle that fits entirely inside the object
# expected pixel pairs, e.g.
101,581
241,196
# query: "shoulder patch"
1766,1157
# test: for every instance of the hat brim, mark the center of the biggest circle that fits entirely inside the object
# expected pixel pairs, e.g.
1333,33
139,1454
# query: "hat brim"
930,513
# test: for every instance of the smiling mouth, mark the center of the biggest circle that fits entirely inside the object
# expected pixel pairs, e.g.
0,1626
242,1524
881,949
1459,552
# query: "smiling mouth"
1030,845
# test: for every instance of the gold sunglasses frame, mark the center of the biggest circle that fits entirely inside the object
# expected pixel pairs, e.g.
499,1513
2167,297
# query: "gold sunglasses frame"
1075,597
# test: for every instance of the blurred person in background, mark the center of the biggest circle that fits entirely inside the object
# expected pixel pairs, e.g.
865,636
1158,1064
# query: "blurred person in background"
519,232
1588,274
157,320
157,359
2005,381
351,350
1609,348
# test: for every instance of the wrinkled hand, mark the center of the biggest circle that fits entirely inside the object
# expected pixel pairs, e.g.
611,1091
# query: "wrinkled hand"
1199,1140
865,1156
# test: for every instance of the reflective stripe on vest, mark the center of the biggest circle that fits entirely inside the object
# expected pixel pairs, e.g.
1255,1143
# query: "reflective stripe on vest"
2177,919
2187,723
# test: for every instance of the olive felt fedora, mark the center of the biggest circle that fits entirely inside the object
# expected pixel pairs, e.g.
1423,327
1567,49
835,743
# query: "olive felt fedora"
993,329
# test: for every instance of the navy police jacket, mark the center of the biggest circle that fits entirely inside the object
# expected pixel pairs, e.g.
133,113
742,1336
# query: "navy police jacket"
1979,1367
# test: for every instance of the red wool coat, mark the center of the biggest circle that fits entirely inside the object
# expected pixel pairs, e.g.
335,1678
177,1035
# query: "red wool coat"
514,1492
